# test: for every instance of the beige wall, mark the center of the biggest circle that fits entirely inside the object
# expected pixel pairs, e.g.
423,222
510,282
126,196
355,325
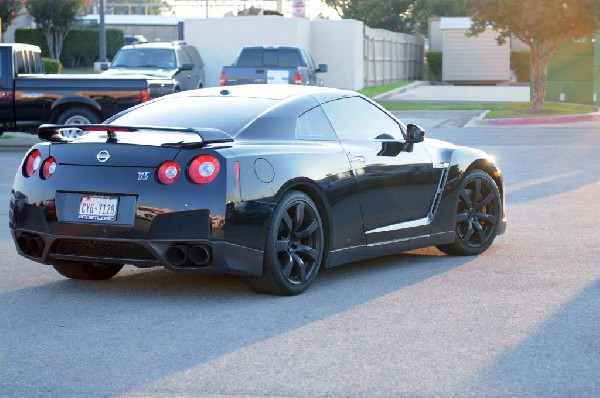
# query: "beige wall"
474,59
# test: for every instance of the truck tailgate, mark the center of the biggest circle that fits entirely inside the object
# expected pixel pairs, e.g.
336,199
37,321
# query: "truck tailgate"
268,75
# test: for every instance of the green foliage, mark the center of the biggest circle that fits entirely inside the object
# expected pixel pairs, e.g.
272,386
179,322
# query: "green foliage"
81,46
9,9
434,63
52,65
520,63
55,19
406,16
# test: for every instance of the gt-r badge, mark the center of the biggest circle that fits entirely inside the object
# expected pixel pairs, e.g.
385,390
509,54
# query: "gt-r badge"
143,175
103,156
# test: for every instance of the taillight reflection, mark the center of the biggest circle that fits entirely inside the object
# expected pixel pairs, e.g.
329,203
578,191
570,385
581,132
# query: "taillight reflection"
168,172
203,169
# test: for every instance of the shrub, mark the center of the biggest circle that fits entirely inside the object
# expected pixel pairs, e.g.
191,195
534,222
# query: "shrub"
434,62
81,46
520,63
52,65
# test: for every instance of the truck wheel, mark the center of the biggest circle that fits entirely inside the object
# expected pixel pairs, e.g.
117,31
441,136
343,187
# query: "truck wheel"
76,116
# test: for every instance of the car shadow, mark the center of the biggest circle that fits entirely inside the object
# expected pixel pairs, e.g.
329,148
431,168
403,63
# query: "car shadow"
73,336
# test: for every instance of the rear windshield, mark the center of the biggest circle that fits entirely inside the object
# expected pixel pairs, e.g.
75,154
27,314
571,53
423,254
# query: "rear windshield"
145,58
280,57
228,114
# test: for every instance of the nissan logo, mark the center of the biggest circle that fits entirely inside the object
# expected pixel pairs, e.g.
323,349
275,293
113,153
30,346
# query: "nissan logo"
103,156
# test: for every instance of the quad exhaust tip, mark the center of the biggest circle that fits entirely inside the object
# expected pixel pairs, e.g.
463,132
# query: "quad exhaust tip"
31,245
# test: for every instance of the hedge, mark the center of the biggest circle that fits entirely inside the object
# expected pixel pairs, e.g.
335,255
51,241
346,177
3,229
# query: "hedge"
81,46
520,63
52,65
434,62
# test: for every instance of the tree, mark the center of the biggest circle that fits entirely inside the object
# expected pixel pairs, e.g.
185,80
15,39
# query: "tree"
406,16
55,18
9,9
541,24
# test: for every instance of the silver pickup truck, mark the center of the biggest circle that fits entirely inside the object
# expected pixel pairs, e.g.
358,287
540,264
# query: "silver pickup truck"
272,65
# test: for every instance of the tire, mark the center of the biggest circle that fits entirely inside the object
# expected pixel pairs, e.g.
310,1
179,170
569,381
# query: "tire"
294,247
87,271
478,215
76,116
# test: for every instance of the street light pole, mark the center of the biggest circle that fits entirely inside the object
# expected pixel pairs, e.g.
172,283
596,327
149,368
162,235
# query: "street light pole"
102,33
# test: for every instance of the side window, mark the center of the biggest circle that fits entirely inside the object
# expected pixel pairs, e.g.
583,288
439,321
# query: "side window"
198,63
184,57
20,62
314,125
355,118
38,63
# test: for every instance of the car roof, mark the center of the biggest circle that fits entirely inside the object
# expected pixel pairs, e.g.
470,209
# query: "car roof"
266,91
158,44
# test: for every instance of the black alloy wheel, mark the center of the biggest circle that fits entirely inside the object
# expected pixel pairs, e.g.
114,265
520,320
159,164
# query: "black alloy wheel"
294,247
86,271
478,215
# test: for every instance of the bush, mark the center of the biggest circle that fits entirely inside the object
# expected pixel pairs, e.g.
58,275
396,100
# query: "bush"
81,46
434,62
520,63
52,65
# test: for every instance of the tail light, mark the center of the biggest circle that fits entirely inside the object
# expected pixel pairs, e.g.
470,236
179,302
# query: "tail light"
223,79
168,172
32,163
146,94
203,169
49,167
297,79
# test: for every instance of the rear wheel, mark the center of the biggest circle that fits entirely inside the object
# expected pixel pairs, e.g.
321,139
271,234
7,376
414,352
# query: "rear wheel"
478,215
86,271
294,247
76,116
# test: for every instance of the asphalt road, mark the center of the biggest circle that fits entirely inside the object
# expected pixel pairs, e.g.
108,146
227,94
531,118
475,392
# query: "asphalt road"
521,319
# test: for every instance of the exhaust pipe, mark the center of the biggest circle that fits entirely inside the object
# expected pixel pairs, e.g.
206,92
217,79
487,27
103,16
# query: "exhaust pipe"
23,244
36,246
200,255
177,255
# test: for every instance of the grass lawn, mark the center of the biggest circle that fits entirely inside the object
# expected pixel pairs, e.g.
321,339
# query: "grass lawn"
375,91
77,71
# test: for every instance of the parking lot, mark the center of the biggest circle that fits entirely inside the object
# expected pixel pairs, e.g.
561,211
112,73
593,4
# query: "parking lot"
519,320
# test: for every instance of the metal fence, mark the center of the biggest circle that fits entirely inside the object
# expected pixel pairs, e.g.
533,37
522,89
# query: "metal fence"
391,57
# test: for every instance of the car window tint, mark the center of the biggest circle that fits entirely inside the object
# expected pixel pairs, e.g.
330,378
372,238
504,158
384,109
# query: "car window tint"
195,56
250,58
227,114
314,125
184,57
355,118
289,58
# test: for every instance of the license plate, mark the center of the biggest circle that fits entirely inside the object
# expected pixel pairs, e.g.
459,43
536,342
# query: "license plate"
98,208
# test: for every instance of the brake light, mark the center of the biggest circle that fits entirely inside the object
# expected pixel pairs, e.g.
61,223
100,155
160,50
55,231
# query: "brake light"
168,172
32,163
203,169
223,79
297,79
49,167
146,95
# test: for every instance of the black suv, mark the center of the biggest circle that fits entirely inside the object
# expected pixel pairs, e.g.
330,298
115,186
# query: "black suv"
169,66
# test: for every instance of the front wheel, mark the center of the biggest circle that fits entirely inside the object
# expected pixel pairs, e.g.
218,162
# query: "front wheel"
294,247
86,271
478,215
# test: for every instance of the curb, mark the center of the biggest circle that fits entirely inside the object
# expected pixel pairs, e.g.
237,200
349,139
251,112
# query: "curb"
399,90
586,117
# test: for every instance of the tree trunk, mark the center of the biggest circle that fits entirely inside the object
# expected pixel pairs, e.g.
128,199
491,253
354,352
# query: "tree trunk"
542,51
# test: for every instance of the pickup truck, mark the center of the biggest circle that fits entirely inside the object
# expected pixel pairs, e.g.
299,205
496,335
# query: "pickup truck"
29,98
272,65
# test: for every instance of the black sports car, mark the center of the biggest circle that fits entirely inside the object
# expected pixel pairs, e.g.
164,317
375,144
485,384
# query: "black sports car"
269,181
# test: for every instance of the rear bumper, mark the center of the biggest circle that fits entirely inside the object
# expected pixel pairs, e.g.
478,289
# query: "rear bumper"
221,257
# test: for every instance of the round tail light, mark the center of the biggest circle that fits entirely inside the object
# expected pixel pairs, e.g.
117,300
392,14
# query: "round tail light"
32,163
168,172
49,167
203,169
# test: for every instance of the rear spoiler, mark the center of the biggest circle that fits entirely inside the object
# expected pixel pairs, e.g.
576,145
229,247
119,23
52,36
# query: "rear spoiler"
51,133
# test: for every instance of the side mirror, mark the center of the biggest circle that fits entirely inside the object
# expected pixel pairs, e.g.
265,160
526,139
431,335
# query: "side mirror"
104,66
322,68
414,134
186,66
